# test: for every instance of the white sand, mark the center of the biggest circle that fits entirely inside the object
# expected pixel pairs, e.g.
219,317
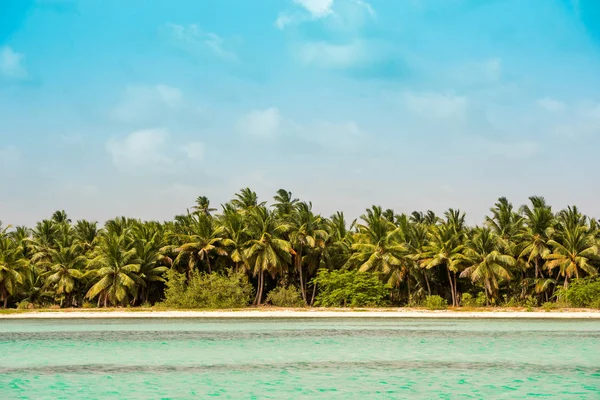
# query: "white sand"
392,313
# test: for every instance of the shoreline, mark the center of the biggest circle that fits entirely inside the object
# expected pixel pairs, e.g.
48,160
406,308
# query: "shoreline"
303,313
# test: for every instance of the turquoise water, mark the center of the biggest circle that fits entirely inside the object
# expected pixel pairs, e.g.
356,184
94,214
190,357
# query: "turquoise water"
299,358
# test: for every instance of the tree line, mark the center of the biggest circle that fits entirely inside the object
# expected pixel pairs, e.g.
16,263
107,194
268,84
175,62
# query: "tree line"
517,254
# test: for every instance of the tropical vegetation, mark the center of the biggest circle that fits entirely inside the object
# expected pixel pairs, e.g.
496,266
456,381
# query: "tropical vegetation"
287,254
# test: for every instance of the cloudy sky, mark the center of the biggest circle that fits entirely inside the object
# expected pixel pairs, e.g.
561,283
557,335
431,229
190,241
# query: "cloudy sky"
112,107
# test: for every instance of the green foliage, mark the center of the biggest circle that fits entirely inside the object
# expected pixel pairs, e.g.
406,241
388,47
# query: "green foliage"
211,291
24,305
530,302
468,300
349,289
582,293
285,297
435,302
549,306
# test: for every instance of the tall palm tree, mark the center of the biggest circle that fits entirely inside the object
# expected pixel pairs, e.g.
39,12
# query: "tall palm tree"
485,262
284,203
443,248
246,199
307,235
203,206
203,240
12,266
378,247
149,240
235,234
539,228
267,251
574,252
64,268
114,270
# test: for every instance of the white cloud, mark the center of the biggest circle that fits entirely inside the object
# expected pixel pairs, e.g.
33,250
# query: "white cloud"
142,102
261,123
194,150
192,38
436,105
284,19
140,149
317,8
334,56
11,64
551,105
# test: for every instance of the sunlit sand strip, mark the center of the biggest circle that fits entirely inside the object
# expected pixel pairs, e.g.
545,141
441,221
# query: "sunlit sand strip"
587,314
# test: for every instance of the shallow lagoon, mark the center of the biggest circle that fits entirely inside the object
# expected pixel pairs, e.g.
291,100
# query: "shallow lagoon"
299,358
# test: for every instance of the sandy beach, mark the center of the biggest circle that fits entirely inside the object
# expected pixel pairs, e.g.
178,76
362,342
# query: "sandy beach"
290,313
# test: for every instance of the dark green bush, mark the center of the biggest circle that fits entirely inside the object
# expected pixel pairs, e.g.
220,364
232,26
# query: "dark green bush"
207,290
435,302
285,297
582,293
350,289
468,300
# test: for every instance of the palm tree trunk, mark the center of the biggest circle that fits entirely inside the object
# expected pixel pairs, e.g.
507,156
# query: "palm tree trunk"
312,299
208,264
537,267
4,296
427,282
451,286
262,285
456,296
298,260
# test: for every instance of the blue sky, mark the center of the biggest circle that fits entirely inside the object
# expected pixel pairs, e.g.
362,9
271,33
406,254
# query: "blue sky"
136,107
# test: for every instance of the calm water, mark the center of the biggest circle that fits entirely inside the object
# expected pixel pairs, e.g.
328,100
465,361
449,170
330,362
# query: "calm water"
285,359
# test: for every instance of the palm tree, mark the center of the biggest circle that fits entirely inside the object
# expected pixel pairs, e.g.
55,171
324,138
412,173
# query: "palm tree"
539,223
12,266
114,270
284,203
267,251
573,252
484,261
235,234
378,247
203,206
202,240
149,240
246,199
307,235
444,246
64,268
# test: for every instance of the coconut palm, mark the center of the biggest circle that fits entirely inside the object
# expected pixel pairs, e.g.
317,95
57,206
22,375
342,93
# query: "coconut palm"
574,252
267,251
484,262
307,236
64,267
203,206
113,270
12,266
202,240
378,247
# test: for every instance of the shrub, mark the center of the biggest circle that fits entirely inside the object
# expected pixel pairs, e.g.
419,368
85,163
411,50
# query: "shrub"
349,288
87,304
530,302
435,302
549,306
24,305
207,290
285,297
581,293
469,301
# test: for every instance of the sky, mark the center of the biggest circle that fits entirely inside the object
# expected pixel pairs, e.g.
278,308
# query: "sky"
111,107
